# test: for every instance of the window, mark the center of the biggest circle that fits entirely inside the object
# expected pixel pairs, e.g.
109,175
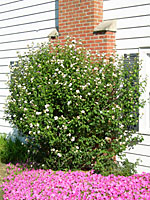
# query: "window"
144,120
130,59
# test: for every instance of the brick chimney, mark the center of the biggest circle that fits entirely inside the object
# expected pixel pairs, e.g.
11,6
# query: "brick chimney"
83,19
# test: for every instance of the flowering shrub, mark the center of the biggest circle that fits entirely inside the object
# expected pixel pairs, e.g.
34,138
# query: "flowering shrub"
74,108
78,185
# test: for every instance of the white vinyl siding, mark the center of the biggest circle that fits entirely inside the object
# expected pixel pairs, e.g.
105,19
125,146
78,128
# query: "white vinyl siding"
133,33
133,23
21,23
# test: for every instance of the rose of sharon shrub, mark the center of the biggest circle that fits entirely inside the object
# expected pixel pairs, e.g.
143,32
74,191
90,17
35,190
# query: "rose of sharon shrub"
73,108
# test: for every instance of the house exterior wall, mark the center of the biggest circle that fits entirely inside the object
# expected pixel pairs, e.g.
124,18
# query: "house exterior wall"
133,36
21,23
24,22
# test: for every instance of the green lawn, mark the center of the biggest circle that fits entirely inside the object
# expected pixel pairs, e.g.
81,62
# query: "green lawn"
2,175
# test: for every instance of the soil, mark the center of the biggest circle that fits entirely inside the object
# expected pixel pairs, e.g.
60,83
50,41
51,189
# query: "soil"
3,174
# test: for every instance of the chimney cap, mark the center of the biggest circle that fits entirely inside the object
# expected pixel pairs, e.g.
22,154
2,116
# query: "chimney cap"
53,33
108,25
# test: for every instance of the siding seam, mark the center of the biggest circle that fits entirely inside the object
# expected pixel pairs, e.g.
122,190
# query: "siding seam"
23,40
118,8
21,0
129,17
19,16
48,2
28,23
137,154
42,29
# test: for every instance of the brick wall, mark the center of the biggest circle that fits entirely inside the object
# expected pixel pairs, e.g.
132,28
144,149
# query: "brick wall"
78,18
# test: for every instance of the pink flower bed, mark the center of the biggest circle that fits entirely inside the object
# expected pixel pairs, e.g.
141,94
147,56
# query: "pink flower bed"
49,185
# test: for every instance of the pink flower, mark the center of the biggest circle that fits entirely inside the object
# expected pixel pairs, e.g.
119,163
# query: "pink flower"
45,184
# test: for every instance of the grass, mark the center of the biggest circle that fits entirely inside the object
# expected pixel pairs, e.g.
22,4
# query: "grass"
3,174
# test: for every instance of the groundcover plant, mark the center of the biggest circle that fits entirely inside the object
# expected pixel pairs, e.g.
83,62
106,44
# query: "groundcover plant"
77,185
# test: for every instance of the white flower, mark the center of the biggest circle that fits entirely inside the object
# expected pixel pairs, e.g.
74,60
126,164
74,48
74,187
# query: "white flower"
37,124
55,117
78,117
65,127
82,111
115,75
121,126
88,53
62,67
47,105
38,113
69,102
95,68
31,125
117,106
47,127
47,110
59,155
53,149
113,117
69,134
77,147
83,87
25,109
73,139
77,91
70,85
57,70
